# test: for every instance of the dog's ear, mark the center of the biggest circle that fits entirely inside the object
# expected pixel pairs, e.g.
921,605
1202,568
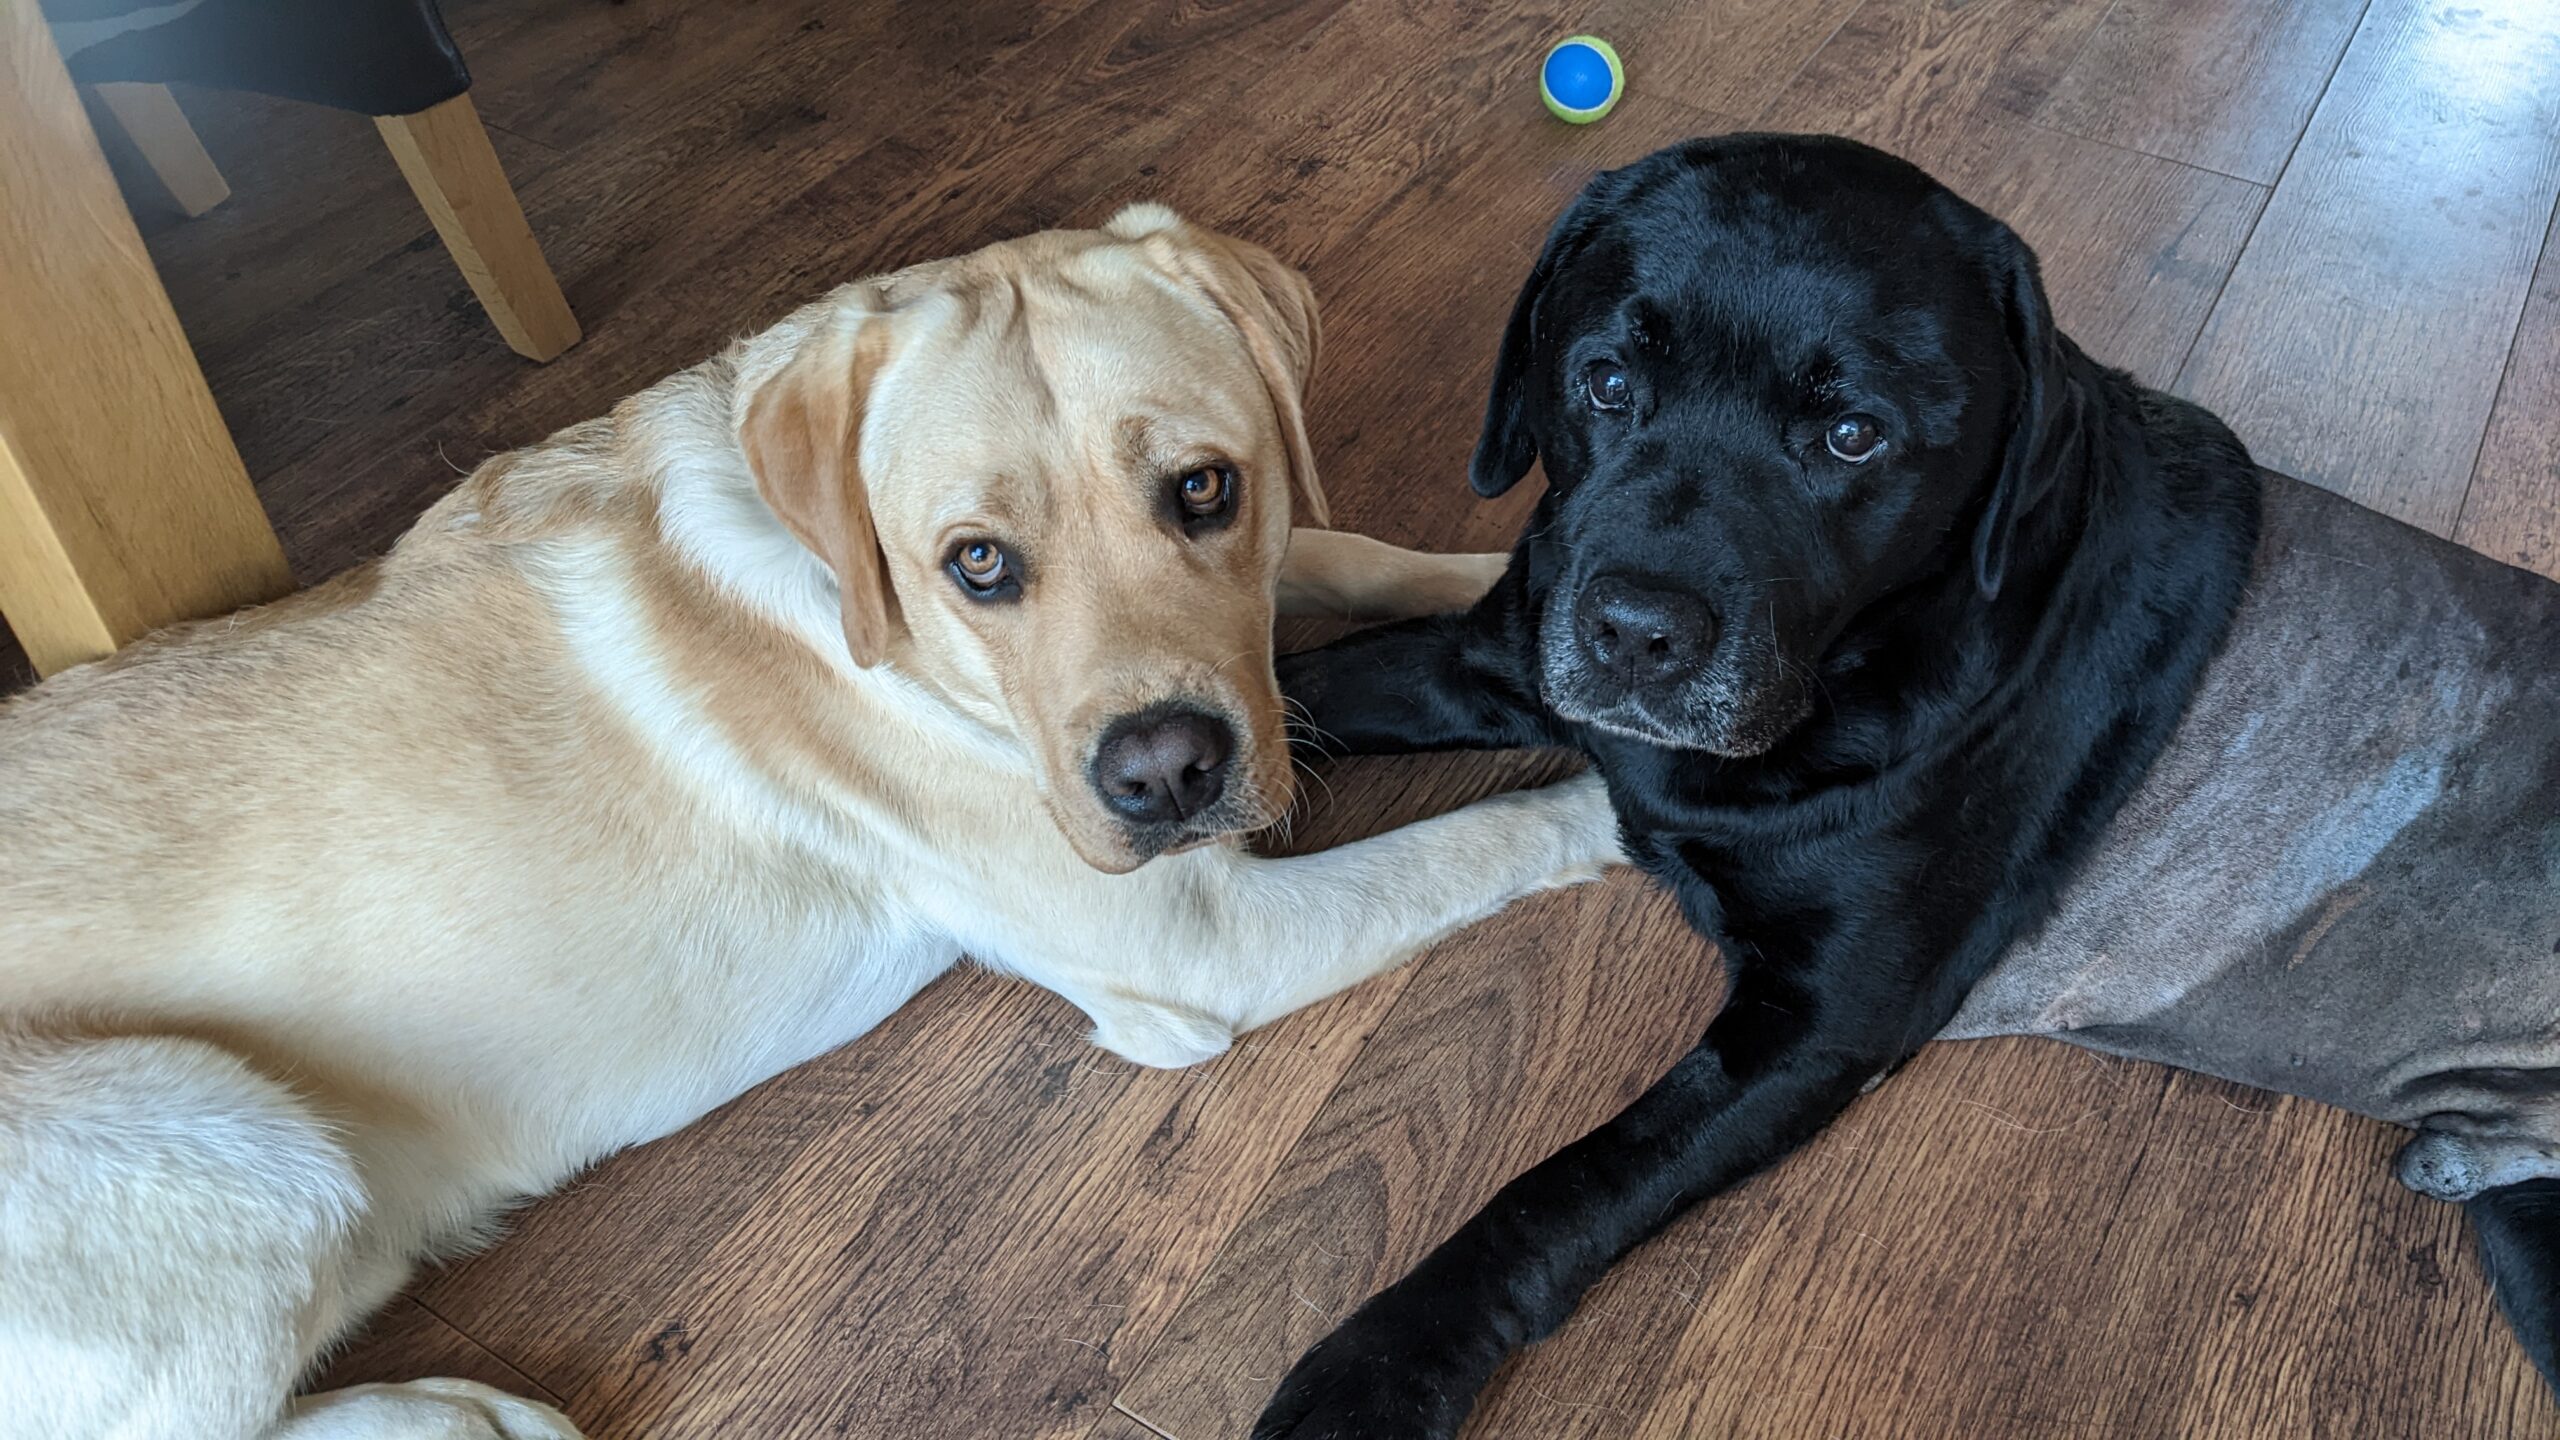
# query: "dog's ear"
1509,440
1271,305
801,430
2043,416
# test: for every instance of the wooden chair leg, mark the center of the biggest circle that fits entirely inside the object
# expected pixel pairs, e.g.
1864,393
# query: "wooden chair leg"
159,129
123,504
454,170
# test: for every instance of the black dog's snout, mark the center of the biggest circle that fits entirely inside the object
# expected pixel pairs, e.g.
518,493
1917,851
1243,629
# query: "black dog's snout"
1163,764
1641,635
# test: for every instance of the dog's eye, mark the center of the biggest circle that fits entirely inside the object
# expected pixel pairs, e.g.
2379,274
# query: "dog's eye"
1854,438
984,571
1605,385
1205,492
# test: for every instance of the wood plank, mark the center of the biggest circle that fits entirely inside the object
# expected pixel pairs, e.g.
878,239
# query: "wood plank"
1902,75
2224,86
592,78
1120,1425
583,1273
1728,57
1000,1247
1334,137
407,1341
2204,1261
2359,343
1861,1287
2513,510
123,504
2282,1283
1551,1017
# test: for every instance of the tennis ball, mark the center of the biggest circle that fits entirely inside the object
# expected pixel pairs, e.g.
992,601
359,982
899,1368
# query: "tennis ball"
1581,79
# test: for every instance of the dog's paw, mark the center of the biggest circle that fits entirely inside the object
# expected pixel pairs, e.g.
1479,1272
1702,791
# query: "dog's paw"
1157,1035
1585,821
444,1409
1372,1379
1459,581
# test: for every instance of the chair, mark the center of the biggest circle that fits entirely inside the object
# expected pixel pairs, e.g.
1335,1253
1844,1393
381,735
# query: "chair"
393,60
123,503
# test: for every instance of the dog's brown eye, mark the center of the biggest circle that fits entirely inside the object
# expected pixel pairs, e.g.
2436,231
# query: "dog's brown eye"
1205,491
983,569
1854,438
1606,386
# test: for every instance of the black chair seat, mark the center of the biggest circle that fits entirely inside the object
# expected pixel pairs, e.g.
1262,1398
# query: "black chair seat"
375,57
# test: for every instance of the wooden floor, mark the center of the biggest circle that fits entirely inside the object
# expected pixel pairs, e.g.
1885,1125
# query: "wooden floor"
2329,219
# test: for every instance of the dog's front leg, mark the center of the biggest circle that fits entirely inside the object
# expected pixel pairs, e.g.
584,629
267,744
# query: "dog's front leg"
1248,939
1440,682
1337,575
1773,1069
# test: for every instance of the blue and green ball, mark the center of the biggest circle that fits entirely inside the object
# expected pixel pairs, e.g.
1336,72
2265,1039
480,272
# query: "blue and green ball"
1581,79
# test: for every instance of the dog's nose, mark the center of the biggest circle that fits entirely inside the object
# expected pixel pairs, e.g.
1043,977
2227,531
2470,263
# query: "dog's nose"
1162,764
1642,635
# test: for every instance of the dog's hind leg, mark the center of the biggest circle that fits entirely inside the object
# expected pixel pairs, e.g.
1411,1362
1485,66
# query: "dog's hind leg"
2520,1247
1337,575
172,1230
2510,1186
179,1235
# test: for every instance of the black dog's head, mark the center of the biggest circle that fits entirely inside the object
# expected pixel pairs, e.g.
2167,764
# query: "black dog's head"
1775,380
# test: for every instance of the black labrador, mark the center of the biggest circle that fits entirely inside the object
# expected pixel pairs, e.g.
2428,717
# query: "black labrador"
1957,684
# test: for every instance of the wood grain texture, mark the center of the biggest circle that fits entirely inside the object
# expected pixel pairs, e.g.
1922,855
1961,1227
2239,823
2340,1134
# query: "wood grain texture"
123,504
1557,1014
2392,262
2513,509
407,1341
2275,1272
151,119
1883,1282
449,163
1120,1425
2221,86
970,1224
1732,57
2063,1208
1903,75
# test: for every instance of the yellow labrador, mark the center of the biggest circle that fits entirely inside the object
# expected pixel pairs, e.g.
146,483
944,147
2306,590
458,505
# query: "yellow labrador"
662,756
